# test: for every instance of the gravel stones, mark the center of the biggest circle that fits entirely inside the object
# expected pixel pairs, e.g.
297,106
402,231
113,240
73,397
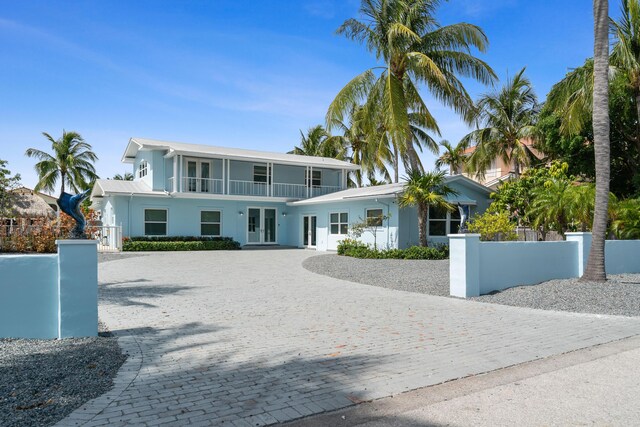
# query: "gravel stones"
43,381
619,296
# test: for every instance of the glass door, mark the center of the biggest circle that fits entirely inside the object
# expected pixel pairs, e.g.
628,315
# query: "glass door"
253,226
192,176
309,231
269,226
205,182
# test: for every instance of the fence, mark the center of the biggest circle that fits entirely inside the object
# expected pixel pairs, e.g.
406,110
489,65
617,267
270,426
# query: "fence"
109,238
478,268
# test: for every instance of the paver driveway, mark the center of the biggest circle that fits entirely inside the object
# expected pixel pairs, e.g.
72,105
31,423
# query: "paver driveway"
252,338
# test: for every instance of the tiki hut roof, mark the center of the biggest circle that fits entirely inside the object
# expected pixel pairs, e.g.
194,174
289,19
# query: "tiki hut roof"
27,204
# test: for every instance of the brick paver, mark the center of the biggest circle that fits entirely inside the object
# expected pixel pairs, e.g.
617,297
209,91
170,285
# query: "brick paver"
251,338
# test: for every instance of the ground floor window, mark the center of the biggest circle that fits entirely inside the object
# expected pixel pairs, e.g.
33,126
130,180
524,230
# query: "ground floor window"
442,222
210,223
155,222
374,217
339,223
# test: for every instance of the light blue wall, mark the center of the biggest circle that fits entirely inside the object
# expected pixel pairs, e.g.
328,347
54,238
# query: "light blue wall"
28,296
288,174
622,256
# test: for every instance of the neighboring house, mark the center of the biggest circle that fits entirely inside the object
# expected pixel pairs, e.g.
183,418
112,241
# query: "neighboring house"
259,198
499,171
27,208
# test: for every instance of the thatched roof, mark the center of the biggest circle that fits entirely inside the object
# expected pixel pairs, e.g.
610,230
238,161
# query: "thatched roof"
26,204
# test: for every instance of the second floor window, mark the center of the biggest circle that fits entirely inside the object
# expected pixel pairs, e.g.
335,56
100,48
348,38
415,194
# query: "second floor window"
261,174
313,178
143,169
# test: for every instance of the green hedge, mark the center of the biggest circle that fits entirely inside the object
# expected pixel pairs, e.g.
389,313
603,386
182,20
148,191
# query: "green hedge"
178,239
356,249
204,245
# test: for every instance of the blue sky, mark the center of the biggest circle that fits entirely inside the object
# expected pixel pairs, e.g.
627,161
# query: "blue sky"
239,73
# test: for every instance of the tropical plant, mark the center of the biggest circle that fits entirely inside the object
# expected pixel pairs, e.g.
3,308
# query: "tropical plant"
71,163
493,226
416,52
626,219
7,184
127,176
453,157
317,143
425,190
595,269
506,120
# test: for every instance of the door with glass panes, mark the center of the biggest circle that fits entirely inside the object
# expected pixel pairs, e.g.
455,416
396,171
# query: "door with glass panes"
261,226
309,231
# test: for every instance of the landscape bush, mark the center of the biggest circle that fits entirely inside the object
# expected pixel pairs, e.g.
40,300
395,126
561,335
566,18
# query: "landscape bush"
209,244
493,226
356,249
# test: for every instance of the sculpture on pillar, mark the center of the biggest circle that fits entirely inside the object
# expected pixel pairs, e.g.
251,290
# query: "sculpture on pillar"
464,217
71,206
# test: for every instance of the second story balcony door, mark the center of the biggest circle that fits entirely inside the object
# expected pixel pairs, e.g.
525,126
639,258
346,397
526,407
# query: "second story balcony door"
198,179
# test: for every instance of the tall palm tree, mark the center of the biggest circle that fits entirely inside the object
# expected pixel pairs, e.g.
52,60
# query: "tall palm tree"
507,118
71,163
317,143
416,52
453,157
595,269
424,190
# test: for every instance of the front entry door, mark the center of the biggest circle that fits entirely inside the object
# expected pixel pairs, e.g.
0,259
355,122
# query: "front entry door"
309,231
261,225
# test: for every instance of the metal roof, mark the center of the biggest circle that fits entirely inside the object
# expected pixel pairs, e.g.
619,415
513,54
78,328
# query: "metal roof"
115,186
199,150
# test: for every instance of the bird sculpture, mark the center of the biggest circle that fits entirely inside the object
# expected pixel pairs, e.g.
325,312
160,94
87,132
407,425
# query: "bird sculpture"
71,206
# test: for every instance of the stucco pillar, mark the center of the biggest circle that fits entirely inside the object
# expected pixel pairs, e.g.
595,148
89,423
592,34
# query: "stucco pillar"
464,265
77,288
584,247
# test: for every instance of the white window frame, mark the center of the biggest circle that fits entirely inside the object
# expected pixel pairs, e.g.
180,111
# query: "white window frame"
144,221
267,181
143,169
380,218
310,180
219,223
339,223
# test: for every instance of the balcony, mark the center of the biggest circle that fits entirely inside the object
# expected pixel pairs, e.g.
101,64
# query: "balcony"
251,188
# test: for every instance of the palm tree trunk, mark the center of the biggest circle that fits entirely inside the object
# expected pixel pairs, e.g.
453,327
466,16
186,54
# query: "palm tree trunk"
595,269
422,225
62,176
413,157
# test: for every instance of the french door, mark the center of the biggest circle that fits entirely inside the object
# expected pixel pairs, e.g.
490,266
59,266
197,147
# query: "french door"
309,231
261,226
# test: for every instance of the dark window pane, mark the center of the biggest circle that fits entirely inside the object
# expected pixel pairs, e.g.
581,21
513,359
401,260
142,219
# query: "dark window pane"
210,216
374,217
454,226
334,228
155,229
155,215
334,217
344,228
455,214
210,229
437,213
437,228
344,217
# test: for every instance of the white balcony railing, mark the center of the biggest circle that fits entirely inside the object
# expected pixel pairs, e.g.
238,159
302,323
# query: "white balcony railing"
201,185
294,191
321,190
248,188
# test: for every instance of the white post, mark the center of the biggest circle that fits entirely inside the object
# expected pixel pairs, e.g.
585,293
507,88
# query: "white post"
174,187
464,265
584,247
228,176
224,186
306,179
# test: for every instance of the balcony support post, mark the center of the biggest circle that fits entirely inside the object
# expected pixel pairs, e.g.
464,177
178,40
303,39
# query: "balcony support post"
224,161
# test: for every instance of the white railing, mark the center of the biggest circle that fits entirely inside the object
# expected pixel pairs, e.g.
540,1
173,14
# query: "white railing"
109,237
248,188
201,185
322,190
171,188
294,191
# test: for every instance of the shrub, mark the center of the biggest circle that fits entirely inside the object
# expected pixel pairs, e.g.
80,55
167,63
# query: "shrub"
221,244
493,226
178,239
356,249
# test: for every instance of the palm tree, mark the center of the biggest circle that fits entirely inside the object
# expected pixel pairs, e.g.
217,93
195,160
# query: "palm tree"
317,143
416,52
595,269
424,190
626,221
453,157
507,118
128,176
71,163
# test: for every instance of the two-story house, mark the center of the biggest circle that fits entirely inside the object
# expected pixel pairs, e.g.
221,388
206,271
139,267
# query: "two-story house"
258,198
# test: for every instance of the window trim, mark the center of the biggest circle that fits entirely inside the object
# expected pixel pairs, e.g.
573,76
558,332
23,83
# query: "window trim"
339,223
380,218
219,223
143,169
144,220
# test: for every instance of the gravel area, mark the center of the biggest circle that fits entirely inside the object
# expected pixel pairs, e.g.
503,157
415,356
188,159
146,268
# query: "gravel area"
115,256
619,296
425,277
43,381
